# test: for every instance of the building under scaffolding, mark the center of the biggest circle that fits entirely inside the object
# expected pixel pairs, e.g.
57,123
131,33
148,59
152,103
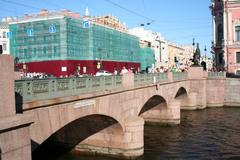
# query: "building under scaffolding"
61,44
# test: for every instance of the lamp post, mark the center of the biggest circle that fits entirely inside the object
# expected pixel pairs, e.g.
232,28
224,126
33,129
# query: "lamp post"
193,44
205,51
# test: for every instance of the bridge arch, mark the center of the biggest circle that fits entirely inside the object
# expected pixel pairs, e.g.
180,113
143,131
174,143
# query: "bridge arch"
155,101
70,135
154,110
181,92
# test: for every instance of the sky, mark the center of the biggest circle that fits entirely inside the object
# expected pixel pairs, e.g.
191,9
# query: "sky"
178,21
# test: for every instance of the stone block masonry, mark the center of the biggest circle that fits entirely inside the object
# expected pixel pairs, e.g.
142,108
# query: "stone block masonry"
232,92
14,128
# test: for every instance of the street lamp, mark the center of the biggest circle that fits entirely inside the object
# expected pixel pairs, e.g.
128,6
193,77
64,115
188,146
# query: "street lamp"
205,50
193,44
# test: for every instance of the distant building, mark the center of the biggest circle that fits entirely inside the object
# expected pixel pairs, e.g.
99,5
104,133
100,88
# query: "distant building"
188,54
155,41
226,34
175,55
109,21
4,39
5,35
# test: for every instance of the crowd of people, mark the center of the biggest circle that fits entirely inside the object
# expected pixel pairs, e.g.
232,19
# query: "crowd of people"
34,75
124,70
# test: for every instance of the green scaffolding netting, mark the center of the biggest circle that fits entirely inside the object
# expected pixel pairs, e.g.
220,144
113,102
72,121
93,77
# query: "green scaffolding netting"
66,39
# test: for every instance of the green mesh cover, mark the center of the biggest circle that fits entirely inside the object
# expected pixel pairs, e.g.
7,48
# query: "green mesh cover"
70,41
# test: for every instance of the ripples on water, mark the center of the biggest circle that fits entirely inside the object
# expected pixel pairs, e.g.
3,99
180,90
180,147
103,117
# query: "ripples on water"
203,134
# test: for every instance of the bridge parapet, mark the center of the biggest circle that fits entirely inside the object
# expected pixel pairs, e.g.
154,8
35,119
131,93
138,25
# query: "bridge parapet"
41,89
180,76
151,78
214,75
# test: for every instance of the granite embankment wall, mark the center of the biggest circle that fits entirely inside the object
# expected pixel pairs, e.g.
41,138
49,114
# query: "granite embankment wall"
232,92
223,92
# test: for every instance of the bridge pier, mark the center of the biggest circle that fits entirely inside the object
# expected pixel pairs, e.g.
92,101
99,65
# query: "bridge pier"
163,115
126,142
198,85
189,102
14,128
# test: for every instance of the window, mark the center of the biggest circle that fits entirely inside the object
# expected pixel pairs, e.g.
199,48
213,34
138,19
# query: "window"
44,39
238,57
149,44
55,49
45,50
219,34
4,46
54,38
220,58
34,51
4,35
238,72
25,51
237,33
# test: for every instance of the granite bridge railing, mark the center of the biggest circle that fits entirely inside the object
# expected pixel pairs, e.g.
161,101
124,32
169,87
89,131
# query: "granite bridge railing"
42,89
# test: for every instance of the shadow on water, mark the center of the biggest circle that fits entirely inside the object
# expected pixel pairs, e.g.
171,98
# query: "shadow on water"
202,134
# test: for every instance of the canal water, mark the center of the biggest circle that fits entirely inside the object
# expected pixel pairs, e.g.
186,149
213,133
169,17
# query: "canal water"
203,134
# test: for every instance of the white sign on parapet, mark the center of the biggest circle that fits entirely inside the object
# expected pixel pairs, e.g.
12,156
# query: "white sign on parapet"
84,103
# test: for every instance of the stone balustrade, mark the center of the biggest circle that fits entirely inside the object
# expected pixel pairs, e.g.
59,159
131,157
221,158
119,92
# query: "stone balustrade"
180,76
216,75
41,89
141,79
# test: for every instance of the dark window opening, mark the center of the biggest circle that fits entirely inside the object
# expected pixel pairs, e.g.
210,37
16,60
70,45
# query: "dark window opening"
1,50
221,58
237,32
219,34
238,57
175,59
149,44
238,72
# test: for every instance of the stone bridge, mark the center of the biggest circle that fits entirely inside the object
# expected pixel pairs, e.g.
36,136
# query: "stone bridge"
114,120
107,114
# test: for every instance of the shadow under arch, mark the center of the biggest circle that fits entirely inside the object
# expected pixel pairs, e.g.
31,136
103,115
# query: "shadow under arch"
154,101
72,134
181,93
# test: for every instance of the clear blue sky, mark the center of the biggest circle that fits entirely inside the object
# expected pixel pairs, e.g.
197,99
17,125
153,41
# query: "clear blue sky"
178,20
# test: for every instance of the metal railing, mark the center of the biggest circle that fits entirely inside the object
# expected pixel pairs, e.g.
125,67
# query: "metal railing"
40,89
213,75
